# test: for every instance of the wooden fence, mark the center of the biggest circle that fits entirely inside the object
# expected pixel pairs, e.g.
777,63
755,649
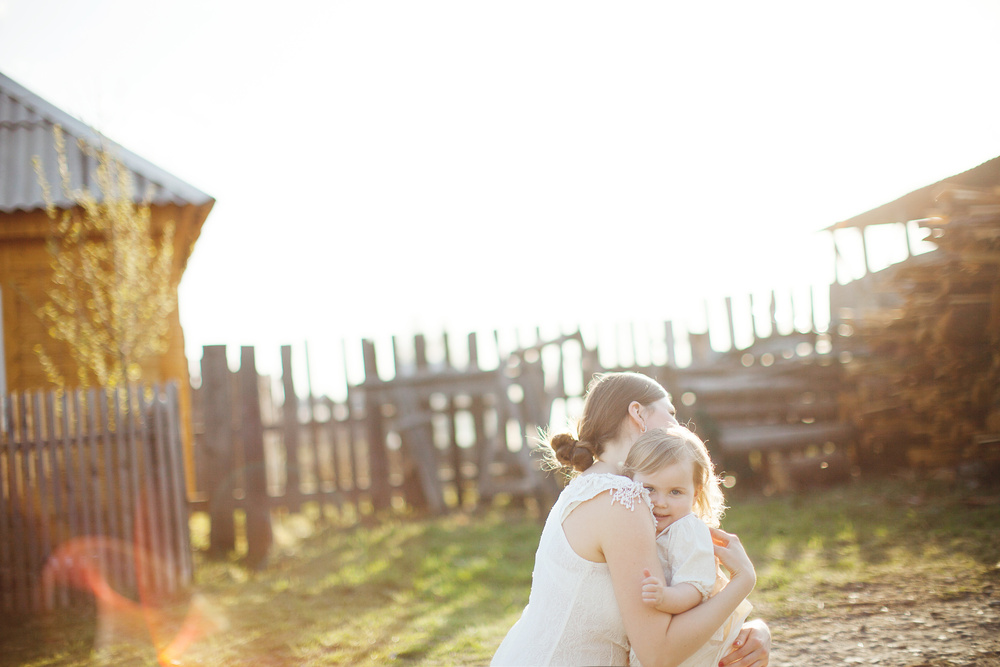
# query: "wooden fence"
440,435
434,438
92,498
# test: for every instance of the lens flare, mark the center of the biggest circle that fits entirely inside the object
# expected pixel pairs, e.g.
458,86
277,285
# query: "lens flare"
81,563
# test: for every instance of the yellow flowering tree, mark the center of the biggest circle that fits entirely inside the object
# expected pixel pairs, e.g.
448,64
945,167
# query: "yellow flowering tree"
112,290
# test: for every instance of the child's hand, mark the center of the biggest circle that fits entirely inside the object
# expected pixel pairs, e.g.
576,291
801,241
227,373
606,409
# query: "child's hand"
652,589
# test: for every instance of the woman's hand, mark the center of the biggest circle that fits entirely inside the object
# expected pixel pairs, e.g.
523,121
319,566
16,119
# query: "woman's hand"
732,554
752,647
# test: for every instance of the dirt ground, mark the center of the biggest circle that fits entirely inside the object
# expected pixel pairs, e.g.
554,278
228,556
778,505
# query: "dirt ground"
905,626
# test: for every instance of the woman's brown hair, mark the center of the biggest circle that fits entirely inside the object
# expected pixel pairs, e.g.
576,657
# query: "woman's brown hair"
604,412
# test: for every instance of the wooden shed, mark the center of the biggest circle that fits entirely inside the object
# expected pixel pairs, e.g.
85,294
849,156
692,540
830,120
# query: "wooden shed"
26,130
927,330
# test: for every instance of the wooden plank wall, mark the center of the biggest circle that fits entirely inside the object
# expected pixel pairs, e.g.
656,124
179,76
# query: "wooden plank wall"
92,494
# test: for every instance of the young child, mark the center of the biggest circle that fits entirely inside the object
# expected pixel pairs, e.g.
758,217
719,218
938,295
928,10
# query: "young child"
674,467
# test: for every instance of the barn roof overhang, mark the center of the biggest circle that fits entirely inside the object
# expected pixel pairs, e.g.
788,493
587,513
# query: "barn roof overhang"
918,203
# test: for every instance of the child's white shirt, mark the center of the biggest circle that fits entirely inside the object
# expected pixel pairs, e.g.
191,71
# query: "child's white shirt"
688,557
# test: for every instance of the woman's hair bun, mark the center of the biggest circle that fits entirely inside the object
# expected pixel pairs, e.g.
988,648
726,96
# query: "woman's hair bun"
571,452
563,445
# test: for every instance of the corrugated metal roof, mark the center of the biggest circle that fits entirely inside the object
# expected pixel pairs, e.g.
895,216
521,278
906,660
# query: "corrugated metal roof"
26,125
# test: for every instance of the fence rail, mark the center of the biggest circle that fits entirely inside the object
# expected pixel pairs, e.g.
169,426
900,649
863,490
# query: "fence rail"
91,497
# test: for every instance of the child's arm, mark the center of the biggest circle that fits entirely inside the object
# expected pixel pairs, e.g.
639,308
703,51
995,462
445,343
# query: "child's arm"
669,599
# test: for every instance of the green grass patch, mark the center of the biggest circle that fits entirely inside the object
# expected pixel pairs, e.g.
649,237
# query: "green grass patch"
412,591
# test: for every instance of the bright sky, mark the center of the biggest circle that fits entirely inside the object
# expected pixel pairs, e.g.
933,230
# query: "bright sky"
381,167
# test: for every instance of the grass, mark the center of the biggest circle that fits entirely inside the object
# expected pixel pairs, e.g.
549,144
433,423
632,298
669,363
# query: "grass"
445,591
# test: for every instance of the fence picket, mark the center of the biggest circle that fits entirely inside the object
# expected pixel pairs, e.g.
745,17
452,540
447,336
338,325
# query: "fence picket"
455,452
179,524
21,563
74,496
378,458
160,480
94,473
6,507
152,546
291,433
105,483
353,457
220,461
80,464
258,507
126,496
61,533
33,563
41,486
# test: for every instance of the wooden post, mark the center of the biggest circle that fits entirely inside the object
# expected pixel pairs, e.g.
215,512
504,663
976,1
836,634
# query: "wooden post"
701,348
44,516
20,531
477,407
314,443
6,537
132,409
425,433
216,386
910,250
113,502
455,452
290,433
126,495
812,308
37,490
774,314
17,519
732,326
80,443
158,450
354,457
559,390
668,338
150,502
378,456
178,490
337,432
408,408
864,249
258,507
837,257
632,338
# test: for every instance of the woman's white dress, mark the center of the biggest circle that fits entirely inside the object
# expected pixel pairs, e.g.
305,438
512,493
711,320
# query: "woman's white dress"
572,617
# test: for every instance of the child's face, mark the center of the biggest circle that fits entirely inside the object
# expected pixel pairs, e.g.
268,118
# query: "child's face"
671,489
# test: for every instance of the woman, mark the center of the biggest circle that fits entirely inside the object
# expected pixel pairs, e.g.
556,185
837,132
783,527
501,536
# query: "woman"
585,605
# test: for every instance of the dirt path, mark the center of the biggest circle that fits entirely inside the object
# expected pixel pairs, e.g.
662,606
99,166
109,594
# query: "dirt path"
908,628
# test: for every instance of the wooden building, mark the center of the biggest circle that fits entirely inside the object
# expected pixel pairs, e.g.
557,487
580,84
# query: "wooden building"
927,330
26,131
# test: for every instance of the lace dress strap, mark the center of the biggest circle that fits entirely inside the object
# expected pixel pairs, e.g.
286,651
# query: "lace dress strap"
623,491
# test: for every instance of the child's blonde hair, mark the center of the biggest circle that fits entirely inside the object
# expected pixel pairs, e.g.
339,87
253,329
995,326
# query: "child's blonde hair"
661,447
